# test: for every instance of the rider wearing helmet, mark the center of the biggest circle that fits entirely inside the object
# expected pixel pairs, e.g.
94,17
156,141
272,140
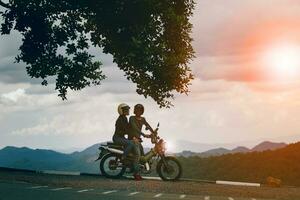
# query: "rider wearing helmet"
122,129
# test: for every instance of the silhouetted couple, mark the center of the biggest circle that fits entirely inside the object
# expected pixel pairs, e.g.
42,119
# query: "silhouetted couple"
132,128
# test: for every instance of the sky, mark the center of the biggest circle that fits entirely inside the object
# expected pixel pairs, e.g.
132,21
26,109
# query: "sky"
246,87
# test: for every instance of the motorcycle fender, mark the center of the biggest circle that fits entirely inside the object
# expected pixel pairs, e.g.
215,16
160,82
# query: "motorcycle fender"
103,151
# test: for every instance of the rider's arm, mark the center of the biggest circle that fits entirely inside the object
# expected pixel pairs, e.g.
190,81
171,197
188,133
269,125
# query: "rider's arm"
148,126
125,124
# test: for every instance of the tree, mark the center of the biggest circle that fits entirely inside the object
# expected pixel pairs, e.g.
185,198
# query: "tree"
149,40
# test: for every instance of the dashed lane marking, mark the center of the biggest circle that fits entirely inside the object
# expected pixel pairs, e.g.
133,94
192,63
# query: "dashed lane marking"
157,195
58,189
182,196
86,190
109,192
206,198
133,193
230,198
37,187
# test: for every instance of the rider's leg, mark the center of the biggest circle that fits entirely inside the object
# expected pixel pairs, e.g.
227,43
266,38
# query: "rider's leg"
135,164
141,149
127,144
144,161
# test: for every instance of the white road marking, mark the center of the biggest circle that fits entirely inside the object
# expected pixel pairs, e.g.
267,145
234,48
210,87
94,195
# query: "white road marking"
58,189
86,190
109,192
37,187
253,199
230,198
133,193
206,198
182,196
157,195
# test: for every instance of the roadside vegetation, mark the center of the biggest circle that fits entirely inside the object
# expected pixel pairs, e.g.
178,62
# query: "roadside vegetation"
282,163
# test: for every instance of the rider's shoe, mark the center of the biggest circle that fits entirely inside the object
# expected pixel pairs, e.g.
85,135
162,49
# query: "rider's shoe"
137,177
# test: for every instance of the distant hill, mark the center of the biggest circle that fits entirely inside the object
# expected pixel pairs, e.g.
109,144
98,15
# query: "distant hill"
255,166
33,159
240,149
90,151
214,152
187,154
263,146
40,159
268,146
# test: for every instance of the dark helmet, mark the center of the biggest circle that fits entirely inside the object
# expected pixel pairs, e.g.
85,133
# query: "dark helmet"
139,106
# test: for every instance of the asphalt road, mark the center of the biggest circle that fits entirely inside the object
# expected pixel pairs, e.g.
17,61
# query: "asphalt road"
27,185
18,190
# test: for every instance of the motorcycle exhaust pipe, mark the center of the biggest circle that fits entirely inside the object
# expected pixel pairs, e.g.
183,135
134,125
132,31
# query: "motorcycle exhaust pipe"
117,151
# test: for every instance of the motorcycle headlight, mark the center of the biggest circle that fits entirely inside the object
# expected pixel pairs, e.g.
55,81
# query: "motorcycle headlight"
164,146
161,147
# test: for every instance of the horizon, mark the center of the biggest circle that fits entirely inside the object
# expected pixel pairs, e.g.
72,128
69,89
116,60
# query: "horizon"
244,89
204,149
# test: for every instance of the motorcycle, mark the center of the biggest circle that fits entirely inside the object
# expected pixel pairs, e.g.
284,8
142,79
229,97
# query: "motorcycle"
111,166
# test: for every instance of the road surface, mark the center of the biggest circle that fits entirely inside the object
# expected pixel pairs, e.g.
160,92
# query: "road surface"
17,191
17,185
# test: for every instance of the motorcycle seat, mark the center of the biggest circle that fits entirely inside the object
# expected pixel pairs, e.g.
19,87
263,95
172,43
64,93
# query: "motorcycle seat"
110,143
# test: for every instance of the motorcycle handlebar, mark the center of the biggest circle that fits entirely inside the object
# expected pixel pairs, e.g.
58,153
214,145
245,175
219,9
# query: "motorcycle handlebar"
154,137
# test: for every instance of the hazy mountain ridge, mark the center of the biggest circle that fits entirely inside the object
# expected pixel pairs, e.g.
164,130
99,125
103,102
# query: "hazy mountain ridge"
240,149
33,159
263,146
268,146
41,159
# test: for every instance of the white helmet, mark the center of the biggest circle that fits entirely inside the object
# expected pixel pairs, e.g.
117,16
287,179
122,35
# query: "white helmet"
121,107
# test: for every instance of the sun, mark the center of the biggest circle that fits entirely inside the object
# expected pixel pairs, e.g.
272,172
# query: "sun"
283,61
170,146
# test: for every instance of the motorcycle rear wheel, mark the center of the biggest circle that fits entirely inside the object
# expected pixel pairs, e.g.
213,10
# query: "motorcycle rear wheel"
109,166
173,168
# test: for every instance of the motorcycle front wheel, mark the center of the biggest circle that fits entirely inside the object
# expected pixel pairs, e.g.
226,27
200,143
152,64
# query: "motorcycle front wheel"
111,167
169,169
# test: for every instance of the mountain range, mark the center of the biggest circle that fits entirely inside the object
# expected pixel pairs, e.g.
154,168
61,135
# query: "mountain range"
84,161
263,146
253,166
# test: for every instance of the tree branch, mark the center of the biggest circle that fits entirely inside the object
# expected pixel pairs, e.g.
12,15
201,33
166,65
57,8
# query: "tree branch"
5,5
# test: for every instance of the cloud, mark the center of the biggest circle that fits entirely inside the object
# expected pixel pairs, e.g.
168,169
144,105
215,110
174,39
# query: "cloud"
221,26
230,35
226,103
216,111
12,97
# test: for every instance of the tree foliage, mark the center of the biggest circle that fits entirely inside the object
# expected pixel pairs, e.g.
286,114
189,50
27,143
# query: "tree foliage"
149,40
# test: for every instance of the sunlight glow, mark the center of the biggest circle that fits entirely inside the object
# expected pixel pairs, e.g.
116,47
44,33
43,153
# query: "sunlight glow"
170,146
283,61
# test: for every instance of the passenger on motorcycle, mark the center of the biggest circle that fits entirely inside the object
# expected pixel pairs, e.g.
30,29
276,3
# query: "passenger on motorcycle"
122,129
136,123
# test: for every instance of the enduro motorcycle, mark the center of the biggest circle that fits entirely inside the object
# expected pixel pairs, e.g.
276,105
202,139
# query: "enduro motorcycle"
111,166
